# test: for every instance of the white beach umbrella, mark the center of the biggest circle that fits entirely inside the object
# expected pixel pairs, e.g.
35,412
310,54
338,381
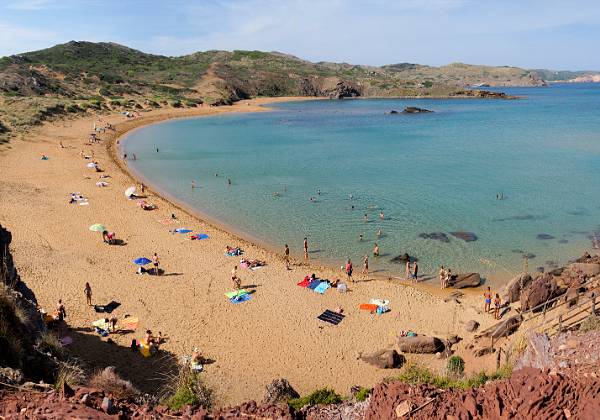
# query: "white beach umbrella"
129,191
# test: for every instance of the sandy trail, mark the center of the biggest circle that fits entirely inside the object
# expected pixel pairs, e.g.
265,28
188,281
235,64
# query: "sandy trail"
276,334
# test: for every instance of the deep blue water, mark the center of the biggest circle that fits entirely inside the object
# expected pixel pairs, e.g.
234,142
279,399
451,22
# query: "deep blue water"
436,172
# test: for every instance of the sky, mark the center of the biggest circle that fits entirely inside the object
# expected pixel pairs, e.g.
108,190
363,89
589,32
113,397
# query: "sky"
558,35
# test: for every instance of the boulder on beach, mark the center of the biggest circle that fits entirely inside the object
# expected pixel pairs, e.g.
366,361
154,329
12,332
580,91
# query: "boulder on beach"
472,326
384,359
438,236
465,236
279,391
415,110
540,290
585,269
460,281
420,344
512,290
507,327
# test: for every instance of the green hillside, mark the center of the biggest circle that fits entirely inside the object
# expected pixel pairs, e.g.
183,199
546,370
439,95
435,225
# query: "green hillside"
81,76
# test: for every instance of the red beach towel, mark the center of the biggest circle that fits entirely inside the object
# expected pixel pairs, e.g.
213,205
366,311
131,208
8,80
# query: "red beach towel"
305,282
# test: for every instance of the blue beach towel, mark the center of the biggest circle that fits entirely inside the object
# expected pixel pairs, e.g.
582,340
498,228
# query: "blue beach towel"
321,288
240,298
314,284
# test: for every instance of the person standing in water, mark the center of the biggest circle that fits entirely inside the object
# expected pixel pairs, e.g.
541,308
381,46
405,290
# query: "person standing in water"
366,218
376,250
286,256
378,234
88,294
305,249
193,184
229,181
487,295
366,265
381,216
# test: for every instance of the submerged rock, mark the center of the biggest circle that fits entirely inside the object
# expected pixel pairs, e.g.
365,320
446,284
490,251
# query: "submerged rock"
438,236
544,237
402,258
393,111
465,236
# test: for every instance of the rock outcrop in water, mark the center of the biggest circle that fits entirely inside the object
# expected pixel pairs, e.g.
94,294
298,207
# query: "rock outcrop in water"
416,110
465,236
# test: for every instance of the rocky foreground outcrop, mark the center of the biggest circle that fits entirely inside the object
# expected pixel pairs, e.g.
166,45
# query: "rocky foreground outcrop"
529,393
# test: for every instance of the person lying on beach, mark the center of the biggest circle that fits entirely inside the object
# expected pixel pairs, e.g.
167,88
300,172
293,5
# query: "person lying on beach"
233,252
252,263
141,270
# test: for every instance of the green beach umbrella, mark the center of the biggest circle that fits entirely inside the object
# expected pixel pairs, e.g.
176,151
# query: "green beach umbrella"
97,228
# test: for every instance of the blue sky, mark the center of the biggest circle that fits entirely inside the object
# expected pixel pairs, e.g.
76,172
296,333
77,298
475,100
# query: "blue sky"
526,33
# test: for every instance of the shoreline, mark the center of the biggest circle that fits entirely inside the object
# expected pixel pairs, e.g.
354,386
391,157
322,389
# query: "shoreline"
252,343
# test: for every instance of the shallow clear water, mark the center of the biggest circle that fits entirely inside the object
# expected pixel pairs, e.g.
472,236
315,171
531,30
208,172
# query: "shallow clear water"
428,173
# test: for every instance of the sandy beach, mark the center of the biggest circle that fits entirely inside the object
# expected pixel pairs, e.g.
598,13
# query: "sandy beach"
275,334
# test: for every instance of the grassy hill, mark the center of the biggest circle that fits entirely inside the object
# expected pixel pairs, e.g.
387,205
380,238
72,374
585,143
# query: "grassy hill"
81,76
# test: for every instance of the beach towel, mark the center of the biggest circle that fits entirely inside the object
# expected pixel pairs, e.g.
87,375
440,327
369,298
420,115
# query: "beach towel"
304,283
331,317
321,288
101,323
380,302
241,298
84,203
129,323
238,292
168,221
199,236
313,284
368,307
101,331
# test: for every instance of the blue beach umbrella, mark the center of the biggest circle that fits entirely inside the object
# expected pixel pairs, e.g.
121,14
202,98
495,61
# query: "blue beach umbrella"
142,261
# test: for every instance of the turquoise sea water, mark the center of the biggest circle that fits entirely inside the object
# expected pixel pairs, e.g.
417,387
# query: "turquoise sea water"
427,173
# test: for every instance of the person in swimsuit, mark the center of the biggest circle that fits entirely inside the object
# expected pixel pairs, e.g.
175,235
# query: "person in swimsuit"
376,250
381,216
497,306
305,248
488,300
61,312
193,184
366,218
407,271
378,234
415,273
88,294
286,256
156,263
442,277
349,270
366,265
237,282
360,237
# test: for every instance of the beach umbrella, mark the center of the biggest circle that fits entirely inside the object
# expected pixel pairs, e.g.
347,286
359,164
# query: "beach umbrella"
182,230
129,191
142,261
97,228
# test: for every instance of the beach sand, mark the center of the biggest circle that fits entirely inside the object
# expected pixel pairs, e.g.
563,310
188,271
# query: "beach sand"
275,334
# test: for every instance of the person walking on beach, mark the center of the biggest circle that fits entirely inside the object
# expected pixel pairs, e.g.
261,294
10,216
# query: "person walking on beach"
156,263
349,270
61,312
376,250
305,249
488,300
88,294
407,270
497,306
442,277
286,256
448,278
237,283
366,265
415,274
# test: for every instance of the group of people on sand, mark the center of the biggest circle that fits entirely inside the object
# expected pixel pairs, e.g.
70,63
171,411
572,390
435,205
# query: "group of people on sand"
445,277
412,270
487,307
